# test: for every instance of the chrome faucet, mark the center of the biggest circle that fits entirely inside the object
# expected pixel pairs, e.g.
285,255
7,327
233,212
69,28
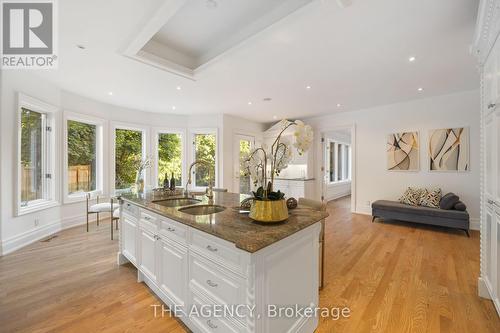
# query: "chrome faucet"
211,178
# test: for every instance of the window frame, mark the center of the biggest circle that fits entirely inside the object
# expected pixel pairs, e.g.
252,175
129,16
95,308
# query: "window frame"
163,130
145,150
192,134
346,151
49,150
101,134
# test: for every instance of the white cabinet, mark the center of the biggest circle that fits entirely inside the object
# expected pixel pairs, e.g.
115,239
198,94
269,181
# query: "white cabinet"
148,256
129,224
295,188
173,270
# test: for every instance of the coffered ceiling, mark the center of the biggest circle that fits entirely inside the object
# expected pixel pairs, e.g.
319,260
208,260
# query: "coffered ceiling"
306,57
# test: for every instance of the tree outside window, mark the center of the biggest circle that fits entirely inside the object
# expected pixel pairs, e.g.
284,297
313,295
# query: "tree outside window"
205,149
128,149
31,155
170,157
82,148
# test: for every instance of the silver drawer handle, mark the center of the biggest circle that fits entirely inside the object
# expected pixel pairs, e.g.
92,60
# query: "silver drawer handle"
212,284
212,249
211,325
491,105
147,218
128,205
170,229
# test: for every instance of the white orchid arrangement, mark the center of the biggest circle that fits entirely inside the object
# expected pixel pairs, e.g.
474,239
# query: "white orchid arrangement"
277,158
142,164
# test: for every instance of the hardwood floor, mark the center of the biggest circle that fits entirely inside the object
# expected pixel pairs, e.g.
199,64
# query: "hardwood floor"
394,277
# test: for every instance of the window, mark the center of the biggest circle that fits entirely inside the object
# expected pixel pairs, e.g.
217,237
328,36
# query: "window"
84,159
169,157
36,157
129,149
339,161
205,149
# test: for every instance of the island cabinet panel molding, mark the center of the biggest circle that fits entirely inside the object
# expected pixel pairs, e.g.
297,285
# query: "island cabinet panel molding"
192,261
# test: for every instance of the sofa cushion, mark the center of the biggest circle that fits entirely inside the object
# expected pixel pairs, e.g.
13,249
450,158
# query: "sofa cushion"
430,198
419,210
448,201
411,196
460,206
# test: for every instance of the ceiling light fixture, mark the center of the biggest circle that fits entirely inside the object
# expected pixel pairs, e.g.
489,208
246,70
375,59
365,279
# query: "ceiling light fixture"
339,105
173,107
275,117
308,87
267,99
249,103
420,89
179,88
81,47
412,59
110,93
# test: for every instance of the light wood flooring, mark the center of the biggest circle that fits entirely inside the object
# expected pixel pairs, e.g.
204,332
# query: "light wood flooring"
394,276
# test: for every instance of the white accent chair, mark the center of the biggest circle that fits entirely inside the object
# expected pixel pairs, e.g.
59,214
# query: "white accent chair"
317,205
104,207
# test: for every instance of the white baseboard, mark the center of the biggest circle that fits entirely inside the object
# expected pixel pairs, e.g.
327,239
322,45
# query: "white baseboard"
14,243
482,288
26,238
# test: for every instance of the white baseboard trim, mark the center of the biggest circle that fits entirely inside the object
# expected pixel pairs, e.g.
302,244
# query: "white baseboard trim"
29,237
482,288
14,243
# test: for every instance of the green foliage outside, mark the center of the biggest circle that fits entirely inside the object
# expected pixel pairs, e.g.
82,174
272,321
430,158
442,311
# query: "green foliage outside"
244,178
128,149
31,154
82,140
169,157
205,150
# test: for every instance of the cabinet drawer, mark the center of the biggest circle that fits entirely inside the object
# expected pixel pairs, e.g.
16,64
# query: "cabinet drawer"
216,282
210,323
130,209
217,249
148,222
173,230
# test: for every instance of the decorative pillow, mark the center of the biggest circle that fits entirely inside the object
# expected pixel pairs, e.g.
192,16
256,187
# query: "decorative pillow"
460,206
448,201
431,198
411,196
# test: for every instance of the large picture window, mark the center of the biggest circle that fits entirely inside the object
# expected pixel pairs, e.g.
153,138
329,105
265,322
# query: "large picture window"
205,149
82,157
338,162
170,155
36,156
128,150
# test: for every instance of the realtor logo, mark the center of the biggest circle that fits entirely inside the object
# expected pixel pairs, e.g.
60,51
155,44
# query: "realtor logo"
28,34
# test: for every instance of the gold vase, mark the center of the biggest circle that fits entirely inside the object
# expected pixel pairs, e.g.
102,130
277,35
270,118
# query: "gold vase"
268,211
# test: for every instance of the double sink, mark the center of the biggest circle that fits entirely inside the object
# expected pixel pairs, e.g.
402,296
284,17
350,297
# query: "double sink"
189,206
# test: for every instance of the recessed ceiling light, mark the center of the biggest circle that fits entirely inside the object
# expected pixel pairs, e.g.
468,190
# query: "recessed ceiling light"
82,47
249,103
212,4
179,88
339,105
412,59
275,117
420,89
173,107
110,93
308,87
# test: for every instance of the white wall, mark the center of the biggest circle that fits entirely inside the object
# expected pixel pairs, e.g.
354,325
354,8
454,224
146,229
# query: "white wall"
19,231
373,181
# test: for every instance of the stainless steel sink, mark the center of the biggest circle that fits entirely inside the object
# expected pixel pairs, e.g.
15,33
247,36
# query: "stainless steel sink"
177,202
202,209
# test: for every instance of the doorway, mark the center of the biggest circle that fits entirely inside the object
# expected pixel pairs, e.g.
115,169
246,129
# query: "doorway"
243,144
338,165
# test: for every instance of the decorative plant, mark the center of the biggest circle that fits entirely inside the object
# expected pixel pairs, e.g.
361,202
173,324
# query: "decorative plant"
140,165
264,162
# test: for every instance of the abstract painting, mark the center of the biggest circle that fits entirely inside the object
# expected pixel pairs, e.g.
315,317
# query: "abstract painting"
449,149
403,151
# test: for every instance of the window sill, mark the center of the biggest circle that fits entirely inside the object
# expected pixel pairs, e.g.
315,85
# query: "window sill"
340,182
82,196
37,207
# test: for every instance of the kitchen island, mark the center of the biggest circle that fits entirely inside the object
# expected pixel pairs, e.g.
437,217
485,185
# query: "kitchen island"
241,272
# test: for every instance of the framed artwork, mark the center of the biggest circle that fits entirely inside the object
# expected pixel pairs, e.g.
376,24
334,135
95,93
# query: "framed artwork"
403,151
449,149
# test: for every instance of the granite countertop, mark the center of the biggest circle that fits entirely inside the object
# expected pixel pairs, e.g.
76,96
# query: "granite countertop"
229,224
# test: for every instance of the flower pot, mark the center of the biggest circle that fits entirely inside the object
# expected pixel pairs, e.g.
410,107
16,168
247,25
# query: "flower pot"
268,211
